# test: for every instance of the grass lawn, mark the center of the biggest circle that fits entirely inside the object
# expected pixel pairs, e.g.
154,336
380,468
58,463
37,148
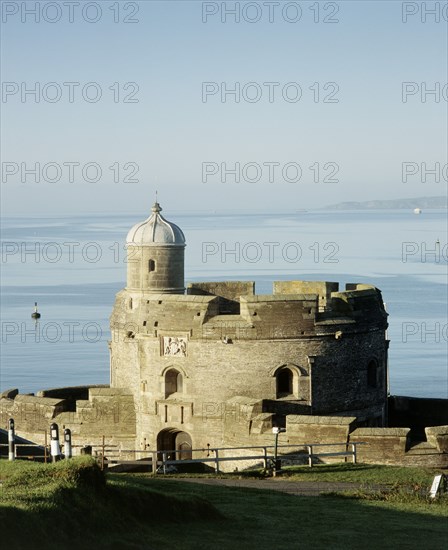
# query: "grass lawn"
69,505
368,474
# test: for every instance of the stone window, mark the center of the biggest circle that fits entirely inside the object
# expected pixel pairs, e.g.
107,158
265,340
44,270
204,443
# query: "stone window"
151,266
284,382
372,374
173,382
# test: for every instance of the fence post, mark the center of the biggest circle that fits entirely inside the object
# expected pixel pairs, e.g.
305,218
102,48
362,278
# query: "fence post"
265,458
68,443
55,448
11,440
310,455
354,452
217,460
154,462
45,447
164,463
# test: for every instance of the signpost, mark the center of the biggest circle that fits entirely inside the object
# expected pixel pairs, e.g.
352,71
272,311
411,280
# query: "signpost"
438,484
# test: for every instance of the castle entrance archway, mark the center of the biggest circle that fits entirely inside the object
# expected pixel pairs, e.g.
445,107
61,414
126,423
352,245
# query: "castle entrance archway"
176,441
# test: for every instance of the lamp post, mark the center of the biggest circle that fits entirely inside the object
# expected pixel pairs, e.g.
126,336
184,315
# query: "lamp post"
277,463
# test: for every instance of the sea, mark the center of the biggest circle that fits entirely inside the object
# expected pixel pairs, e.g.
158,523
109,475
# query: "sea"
73,266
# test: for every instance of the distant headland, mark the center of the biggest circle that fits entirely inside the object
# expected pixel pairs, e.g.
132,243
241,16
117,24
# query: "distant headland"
418,202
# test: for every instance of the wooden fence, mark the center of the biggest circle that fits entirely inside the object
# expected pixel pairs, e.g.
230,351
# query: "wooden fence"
163,461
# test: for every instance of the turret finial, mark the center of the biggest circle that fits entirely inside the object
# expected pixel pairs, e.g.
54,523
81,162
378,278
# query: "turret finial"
156,207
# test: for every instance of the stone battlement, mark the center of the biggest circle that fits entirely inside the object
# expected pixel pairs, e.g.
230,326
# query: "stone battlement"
296,309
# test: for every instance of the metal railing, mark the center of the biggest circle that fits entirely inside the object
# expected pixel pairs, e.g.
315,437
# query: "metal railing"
160,461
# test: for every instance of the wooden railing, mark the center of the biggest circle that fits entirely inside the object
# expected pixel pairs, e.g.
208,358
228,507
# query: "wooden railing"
162,461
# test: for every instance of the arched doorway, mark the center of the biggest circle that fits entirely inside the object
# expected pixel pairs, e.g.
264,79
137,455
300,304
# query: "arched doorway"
176,441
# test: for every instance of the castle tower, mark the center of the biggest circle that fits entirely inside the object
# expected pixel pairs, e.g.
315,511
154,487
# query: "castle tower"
155,256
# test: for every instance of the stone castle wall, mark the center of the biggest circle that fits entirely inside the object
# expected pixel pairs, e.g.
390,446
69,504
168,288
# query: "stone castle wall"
325,338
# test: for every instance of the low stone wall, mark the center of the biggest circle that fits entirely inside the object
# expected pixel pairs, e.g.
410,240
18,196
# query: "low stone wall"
437,436
30,413
307,429
72,393
106,412
383,445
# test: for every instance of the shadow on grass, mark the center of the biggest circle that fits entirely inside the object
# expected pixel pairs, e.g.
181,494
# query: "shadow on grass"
267,519
143,513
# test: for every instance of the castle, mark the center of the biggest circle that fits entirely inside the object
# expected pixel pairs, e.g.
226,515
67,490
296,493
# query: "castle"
215,365
192,357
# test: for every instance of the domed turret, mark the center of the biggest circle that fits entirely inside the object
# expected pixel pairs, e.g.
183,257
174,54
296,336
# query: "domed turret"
155,230
156,255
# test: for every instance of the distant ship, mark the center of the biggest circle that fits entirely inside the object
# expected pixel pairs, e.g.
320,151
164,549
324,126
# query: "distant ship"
417,210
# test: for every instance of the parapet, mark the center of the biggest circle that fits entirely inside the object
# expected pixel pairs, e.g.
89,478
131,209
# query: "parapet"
232,309
322,288
365,299
227,292
230,290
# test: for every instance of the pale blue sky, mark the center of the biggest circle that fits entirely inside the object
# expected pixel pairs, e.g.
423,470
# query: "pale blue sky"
170,131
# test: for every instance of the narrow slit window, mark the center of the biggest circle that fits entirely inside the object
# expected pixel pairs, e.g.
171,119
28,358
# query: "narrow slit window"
372,374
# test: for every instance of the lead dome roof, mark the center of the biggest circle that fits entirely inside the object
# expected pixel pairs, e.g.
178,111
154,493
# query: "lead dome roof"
155,230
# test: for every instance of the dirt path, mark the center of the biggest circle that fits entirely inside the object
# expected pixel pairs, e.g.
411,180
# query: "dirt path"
309,488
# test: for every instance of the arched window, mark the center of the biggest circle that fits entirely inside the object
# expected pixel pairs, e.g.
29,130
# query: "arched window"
372,374
151,265
173,382
284,380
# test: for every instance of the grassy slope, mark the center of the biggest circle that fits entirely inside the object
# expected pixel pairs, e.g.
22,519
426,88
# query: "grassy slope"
140,512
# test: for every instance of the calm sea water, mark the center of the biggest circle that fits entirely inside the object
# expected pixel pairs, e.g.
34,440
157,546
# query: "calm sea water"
74,266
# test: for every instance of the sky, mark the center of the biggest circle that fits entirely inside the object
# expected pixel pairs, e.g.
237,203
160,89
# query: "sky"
332,102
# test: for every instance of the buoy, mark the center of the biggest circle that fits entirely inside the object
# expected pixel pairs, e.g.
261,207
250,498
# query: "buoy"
36,314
